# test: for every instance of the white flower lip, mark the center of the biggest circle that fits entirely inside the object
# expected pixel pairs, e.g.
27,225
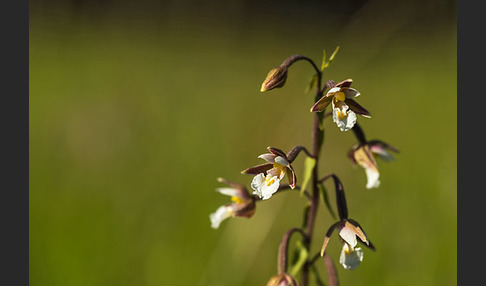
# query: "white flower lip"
347,122
373,178
262,189
350,258
222,213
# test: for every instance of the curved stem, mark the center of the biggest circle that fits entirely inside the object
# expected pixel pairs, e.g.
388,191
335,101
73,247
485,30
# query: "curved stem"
331,271
292,59
292,154
283,249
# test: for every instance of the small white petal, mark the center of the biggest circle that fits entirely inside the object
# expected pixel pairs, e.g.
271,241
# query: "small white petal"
352,258
232,192
265,187
334,90
282,161
269,190
347,122
222,213
349,236
267,157
373,178
257,183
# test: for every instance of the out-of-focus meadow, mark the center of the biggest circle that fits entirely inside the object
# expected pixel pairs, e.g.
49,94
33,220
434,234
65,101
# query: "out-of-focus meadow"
137,107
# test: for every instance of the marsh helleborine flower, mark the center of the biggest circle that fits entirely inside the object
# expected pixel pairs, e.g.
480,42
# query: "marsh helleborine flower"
351,256
268,175
364,155
242,205
344,107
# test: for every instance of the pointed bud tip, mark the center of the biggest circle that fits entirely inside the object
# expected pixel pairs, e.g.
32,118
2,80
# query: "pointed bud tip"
276,77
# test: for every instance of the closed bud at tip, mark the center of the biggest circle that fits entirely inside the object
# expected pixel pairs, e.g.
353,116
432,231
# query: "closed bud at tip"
282,279
275,78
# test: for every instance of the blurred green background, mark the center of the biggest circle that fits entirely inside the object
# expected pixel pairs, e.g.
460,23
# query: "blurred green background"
136,107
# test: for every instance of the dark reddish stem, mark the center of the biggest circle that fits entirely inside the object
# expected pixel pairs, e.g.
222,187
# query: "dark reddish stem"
292,59
314,202
311,216
283,249
317,135
331,271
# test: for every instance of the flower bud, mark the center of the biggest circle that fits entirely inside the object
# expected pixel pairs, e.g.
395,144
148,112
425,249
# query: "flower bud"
275,78
282,279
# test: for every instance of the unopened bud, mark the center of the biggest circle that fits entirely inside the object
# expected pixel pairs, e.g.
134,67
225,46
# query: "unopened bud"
275,78
282,279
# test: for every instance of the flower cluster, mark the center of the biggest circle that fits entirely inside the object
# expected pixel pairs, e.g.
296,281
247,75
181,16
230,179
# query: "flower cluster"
267,177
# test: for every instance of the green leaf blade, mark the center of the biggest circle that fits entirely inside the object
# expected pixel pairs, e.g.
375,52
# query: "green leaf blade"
309,165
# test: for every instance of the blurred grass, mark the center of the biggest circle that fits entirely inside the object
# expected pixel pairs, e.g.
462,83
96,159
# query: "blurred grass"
130,125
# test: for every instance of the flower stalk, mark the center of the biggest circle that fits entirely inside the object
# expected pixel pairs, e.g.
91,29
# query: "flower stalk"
283,249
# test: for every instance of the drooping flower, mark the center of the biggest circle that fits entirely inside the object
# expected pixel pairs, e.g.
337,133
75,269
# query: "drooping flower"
242,205
344,107
282,279
349,230
364,155
268,176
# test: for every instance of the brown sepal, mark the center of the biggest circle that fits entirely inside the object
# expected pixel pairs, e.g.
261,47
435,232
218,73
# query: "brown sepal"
321,104
357,108
257,169
344,83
